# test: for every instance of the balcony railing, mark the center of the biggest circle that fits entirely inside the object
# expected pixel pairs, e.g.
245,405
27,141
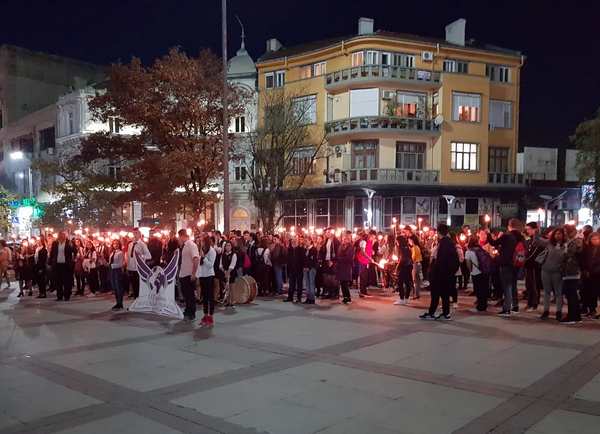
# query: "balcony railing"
382,72
498,178
384,176
382,124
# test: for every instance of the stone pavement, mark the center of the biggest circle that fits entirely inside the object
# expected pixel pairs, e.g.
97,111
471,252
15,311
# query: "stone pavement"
77,368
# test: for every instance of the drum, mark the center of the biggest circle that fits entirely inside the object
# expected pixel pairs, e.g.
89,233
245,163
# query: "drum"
243,290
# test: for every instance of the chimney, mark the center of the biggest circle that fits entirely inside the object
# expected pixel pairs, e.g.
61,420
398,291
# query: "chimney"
455,32
273,45
365,26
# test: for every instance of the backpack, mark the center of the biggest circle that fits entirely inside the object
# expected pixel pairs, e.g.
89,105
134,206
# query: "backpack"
484,260
519,255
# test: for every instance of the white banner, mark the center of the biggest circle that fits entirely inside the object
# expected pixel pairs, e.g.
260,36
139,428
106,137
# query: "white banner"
157,289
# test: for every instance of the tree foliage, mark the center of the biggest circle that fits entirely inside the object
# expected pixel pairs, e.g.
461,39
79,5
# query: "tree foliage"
587,141
168,154
284,131
5,211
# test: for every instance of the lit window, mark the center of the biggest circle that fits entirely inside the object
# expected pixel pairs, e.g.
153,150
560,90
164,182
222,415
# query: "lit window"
372,58
500,114
319,68
464,156
279,78
410,105
466,107
358,58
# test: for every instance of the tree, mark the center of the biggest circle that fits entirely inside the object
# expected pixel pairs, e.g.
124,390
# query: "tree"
587,141
281,152
168,154
5,199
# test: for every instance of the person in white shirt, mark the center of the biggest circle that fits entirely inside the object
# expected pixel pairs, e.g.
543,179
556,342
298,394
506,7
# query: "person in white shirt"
136,247
116,261
227,266
90,272
190,259
206,273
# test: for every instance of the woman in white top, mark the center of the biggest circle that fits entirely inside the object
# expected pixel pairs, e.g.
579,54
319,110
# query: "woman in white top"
206,273
228,264
116,261
90,272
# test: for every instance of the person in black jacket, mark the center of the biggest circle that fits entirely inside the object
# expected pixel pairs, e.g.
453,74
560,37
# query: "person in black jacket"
311,262
295,266
39,267
442,271
61,261
506,245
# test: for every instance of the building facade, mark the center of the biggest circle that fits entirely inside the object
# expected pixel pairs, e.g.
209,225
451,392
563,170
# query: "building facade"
407,119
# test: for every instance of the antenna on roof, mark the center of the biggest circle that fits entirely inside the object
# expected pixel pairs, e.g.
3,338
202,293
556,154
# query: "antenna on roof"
243,46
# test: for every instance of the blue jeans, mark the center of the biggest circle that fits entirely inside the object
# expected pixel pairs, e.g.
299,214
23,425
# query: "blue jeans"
507,277
116,276
278,271
309,277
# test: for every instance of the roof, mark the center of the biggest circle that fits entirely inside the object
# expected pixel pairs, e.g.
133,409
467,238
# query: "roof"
324,43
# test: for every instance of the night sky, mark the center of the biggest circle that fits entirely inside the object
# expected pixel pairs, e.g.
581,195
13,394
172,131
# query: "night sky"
561,39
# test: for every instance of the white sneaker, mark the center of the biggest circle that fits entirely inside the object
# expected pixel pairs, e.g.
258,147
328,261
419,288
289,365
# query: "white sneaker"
398,302
406,301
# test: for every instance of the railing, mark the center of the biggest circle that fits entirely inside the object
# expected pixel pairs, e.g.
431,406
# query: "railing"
381,72
389,123
498,178
384,176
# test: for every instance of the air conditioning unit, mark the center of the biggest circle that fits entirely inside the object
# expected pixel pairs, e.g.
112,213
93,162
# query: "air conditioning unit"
427,56
50,151
388,94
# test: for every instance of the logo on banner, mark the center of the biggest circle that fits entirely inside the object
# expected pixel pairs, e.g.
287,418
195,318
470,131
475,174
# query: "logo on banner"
157,289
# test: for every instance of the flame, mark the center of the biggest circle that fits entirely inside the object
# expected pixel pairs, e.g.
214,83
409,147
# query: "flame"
382,263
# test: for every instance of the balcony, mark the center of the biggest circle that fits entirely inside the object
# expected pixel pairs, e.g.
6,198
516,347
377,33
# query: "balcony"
368,75
370,126
384,176
507,179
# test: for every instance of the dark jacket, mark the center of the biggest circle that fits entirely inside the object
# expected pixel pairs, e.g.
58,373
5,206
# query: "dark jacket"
506,245
42,260
278,255
446,260
295,259
69,253
344,262
334,248
311,259
571,266
591,261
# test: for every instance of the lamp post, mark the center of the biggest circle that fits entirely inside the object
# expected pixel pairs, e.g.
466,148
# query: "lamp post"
449,200
226,215
17,156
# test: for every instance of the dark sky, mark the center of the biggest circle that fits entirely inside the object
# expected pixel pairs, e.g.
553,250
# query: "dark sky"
561,39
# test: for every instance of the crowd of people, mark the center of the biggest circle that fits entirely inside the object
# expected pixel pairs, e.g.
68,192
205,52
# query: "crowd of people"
560,263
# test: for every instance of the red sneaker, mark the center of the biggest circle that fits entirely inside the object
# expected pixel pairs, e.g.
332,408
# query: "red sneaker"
204,320
210,321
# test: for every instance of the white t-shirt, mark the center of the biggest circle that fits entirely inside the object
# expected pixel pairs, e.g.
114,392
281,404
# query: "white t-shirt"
141,249
471,256
207,267
60,253
188,253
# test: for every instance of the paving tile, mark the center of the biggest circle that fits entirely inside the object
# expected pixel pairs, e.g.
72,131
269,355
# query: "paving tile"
123,423
591,390
567,422
301,332
26,397
356,425
144,367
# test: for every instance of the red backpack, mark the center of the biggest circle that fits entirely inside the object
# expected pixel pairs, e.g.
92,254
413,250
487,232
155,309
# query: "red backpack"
519,255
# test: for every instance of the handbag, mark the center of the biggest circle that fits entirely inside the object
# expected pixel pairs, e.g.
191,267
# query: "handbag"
541,258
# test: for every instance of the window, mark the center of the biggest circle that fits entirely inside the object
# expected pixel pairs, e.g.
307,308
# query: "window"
456,66
240,173
442,206
392,207
114,170
70,123
435,105
466,107
500,114
464,156
498,73
47,139
279,78
409,205
329,213
358,58
360,212
386,59
472,206
498,160
410,105
306,108
319,68
306,71
372,58
404,60
304,162
114,125
269,80
410,155
364,102
240,124
295,213
364,155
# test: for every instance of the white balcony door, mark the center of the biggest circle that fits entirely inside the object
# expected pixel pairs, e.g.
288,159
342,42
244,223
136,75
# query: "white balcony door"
364,102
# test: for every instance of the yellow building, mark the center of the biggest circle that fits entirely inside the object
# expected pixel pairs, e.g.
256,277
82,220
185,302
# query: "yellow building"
407,119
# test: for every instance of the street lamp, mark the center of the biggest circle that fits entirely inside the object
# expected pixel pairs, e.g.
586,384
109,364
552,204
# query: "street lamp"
19,155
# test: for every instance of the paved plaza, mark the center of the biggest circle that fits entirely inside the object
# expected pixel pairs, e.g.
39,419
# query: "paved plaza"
273,367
